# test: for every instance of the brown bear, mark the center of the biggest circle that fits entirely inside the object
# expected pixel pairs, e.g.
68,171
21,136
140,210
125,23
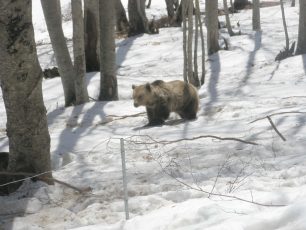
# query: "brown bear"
160,98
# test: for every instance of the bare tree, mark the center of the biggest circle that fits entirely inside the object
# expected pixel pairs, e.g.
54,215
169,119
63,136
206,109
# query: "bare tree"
185,66
284,24
149,4
189,42
172,10
79,52
122,24
92,36
211,8
286,52
137,16
256,16
21,84
190,60
228,21
293,3
52,13
200,25
108,82
301,44
240,4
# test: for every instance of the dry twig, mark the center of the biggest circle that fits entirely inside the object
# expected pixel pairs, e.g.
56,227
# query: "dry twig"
274,114
276,130
220,195
42,178
191,139
110,119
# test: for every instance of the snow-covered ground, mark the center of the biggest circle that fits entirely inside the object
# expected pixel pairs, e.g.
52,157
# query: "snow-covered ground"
180,175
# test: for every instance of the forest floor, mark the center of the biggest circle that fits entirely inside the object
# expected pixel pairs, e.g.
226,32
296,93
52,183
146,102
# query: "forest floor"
240,165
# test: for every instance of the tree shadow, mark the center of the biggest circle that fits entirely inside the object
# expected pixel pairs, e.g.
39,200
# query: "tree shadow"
304,62
215,67
250,63
123,48
75,128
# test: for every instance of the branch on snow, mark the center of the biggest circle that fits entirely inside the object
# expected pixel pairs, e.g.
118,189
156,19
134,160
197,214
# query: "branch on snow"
274,114
198,188
111,118
276,130
153,141
42,178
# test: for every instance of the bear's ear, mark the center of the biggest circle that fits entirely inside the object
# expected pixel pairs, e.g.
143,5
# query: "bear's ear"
133,86
148,87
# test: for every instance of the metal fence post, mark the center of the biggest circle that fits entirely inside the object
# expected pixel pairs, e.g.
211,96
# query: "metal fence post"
125,192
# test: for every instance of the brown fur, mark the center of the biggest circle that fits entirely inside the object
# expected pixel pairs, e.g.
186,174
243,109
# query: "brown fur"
160,98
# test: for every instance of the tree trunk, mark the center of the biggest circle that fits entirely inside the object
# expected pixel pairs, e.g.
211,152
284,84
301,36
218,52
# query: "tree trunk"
228,21
178,15
195,50
293,3
92,39
122,24
137,16
21,84
79,52
149,4
52,13
185,66
256,16
240,4
284,24
202,41
108,82
189,42
301,44
171,12
212,26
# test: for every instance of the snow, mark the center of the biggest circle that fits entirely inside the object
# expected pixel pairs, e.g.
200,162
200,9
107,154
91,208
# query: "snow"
169,181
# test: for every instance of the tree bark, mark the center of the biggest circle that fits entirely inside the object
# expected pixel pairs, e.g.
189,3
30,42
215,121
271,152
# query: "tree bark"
256,16
212,26
301,44
122,23
92,36
228,21
79,52
202,81
137,16
240,4
108,81
284,24
171,12
293,3
185,66
149,4
52,13
21,84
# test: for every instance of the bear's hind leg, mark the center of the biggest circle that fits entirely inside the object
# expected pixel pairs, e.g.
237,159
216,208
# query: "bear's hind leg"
188,115
189,112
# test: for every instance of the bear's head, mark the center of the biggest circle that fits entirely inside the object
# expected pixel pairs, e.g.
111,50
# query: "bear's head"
142,95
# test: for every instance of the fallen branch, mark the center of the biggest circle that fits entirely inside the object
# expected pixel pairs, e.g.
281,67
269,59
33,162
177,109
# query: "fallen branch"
192,139
276,130
110,119
92,98
42,178
274,114
80,190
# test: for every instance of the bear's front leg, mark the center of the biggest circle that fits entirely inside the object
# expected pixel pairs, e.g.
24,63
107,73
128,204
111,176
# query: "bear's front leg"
154,119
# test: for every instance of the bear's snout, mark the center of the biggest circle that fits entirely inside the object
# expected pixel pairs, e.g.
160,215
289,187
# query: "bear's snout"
135,104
